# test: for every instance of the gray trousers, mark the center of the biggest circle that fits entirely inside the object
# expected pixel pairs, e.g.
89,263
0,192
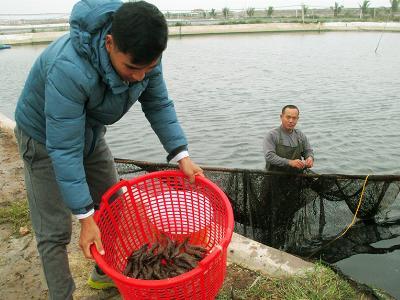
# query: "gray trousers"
51,219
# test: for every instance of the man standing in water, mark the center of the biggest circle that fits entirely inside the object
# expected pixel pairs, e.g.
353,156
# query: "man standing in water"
287,149
83,81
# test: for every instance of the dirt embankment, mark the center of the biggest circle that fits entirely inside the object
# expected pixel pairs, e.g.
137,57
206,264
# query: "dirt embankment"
19,264
21,276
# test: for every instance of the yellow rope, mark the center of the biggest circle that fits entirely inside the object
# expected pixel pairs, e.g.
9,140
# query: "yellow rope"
352,222
358,208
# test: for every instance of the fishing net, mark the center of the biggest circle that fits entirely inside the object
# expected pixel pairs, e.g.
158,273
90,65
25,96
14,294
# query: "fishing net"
331,217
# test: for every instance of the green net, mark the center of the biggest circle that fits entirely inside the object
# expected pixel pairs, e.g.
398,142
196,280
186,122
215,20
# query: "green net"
305,214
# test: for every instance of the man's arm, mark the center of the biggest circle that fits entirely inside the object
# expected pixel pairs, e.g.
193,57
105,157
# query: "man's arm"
160,112
65,140
308,152
65,131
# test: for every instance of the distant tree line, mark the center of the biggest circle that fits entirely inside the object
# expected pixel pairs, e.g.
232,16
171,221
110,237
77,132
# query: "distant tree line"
364,11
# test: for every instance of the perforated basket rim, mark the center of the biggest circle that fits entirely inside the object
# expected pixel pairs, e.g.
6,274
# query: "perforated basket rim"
164,283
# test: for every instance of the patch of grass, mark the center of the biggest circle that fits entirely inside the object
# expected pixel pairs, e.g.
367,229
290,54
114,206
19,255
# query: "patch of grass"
15,213
320,283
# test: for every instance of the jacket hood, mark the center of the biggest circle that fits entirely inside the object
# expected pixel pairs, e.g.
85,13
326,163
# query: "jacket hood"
90,22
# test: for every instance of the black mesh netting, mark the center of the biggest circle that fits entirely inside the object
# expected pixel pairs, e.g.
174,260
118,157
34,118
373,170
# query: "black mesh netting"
305,214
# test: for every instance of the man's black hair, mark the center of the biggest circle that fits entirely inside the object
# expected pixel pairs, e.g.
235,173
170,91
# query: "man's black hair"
140,30
290,106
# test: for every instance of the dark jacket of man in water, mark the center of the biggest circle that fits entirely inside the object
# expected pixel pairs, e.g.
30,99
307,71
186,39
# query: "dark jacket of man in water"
287,149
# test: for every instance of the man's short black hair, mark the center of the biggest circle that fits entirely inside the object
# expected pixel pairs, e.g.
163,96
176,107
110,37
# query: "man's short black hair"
140,30
291,107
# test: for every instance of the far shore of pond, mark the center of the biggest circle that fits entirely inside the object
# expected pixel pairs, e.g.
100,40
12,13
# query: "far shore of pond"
49,36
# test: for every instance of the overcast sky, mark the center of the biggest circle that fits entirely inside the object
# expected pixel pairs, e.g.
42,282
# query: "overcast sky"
64,6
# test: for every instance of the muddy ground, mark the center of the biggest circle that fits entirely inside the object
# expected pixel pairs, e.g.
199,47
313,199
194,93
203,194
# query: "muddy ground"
20,270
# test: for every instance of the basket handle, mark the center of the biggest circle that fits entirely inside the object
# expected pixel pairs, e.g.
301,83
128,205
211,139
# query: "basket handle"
112,190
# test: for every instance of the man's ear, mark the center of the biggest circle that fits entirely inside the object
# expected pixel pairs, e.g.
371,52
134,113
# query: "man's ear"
109,42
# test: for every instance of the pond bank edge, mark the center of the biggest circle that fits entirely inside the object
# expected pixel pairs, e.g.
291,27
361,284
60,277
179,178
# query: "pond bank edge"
47,37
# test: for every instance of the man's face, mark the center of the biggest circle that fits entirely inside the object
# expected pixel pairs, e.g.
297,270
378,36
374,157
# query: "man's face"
289,118
123,65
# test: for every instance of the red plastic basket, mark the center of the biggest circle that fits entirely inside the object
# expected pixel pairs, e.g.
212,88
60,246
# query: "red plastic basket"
135,212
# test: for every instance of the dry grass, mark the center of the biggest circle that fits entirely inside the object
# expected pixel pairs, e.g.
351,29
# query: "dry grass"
320,283
15,213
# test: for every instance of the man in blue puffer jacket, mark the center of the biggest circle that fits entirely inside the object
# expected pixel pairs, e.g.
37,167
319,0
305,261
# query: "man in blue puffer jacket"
83,81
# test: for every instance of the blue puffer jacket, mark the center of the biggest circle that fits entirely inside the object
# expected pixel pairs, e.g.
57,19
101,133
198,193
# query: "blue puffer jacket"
72,91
